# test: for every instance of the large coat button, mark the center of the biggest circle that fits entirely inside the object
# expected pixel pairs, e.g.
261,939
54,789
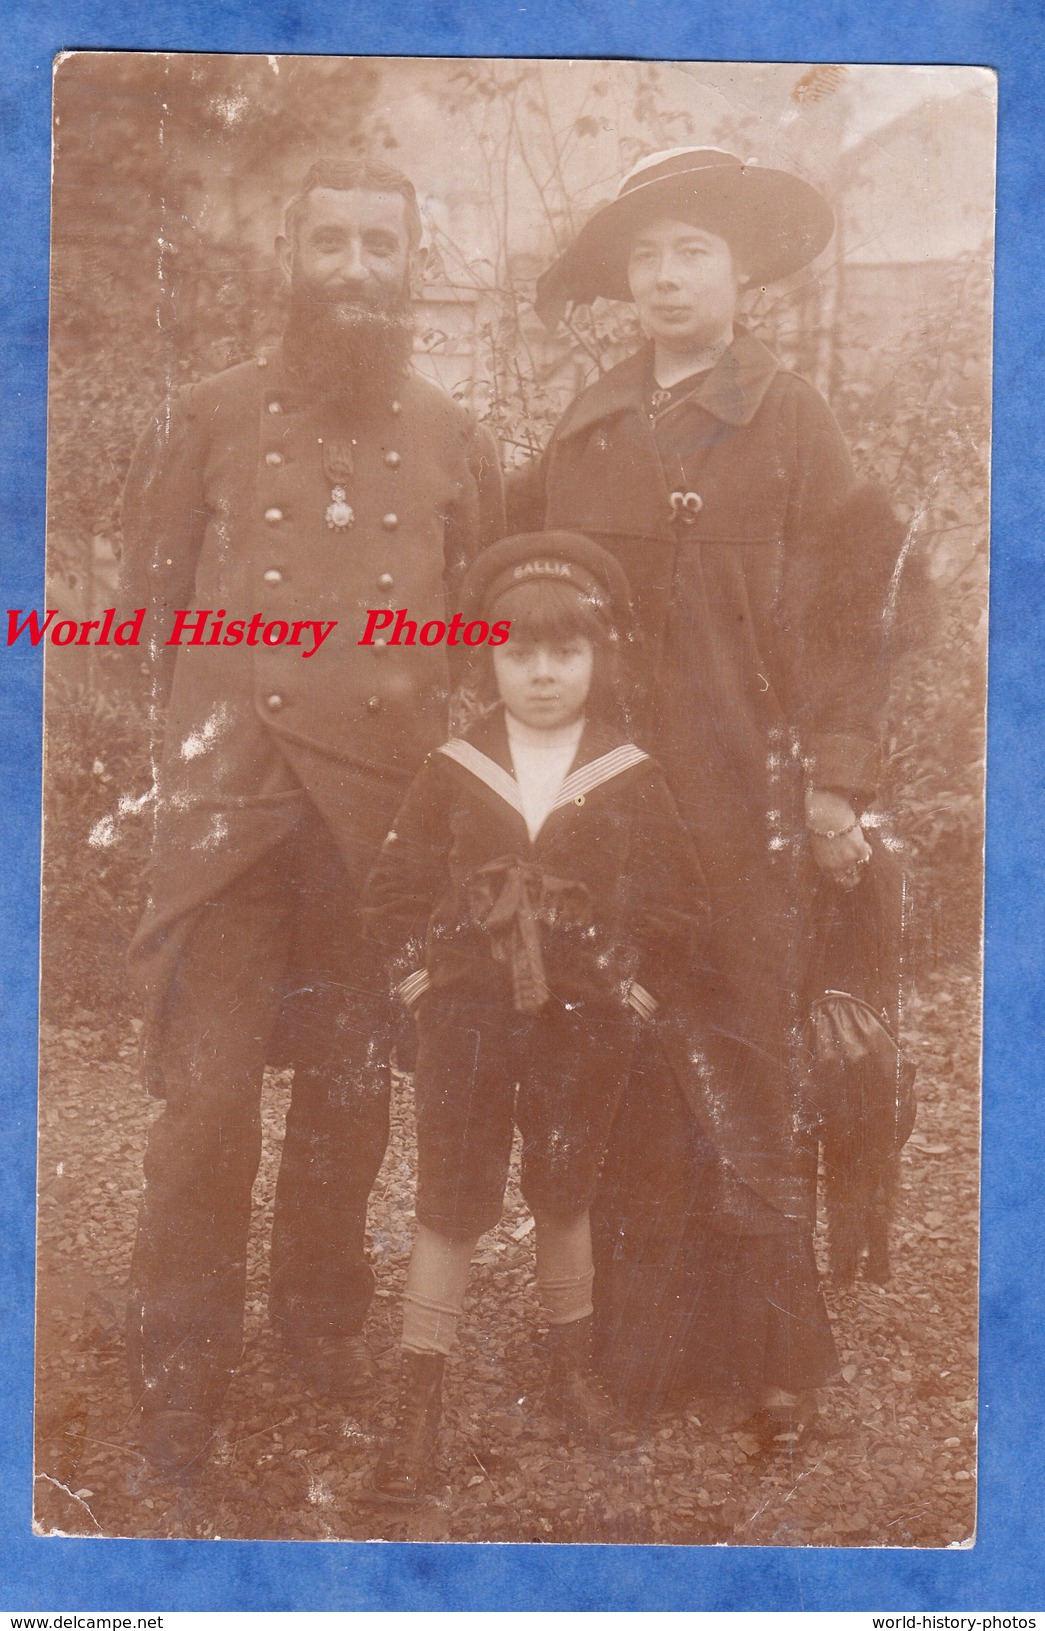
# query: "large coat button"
272,516
385,581
275,407
390,522
273,577
273,457
393,460
274,703
374,704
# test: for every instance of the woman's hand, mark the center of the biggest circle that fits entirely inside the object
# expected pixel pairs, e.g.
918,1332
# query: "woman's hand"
835,836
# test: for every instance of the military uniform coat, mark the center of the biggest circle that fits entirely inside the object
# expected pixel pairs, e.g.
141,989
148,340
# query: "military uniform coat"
226,508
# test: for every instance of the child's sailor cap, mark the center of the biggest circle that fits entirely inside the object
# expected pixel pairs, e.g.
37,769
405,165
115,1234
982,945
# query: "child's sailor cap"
557,557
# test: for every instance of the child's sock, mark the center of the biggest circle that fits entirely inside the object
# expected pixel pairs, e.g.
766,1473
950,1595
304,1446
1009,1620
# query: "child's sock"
564,1269
435,1286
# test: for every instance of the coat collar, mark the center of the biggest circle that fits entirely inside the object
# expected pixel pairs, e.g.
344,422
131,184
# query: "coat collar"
733,390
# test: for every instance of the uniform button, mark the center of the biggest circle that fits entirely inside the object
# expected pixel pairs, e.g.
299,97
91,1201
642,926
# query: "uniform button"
263,362
393,460
373,703
380,645
275,407
272,516
274,703
273,458
273,577
385,581
397,407
390,522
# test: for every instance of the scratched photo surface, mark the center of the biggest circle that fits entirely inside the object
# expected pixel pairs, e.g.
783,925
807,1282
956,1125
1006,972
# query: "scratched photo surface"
513,1084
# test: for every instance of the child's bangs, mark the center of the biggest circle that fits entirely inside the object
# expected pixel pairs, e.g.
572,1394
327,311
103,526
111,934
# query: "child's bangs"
544,610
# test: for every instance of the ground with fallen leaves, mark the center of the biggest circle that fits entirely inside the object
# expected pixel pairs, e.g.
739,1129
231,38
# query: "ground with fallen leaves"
893,1462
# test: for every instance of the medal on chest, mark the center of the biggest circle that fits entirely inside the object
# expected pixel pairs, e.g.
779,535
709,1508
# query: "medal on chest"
340,513
338,467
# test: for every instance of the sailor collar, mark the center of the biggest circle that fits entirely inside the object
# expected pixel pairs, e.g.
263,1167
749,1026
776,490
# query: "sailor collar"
592,768
732,390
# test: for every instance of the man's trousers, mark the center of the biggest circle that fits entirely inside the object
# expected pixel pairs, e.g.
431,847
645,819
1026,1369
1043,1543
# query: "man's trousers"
273,968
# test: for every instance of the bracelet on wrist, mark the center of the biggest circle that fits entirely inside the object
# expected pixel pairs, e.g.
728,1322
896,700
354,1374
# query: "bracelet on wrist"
840,832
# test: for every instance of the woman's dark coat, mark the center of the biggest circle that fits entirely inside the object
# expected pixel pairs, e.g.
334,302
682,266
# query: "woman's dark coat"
762,625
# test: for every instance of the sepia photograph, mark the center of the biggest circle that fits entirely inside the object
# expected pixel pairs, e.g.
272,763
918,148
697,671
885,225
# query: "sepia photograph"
515,684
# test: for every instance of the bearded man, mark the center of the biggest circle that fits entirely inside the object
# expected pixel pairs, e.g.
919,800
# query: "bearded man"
312,484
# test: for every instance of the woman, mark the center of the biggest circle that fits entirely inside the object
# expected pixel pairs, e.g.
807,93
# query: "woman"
721,483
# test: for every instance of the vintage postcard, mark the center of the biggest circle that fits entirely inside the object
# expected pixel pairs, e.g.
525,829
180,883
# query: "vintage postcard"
515,672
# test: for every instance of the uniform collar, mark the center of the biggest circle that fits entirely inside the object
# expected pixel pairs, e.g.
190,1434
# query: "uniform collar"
733,390
281,382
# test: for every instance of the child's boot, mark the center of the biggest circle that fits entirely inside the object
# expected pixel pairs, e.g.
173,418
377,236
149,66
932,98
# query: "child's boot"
405,1467
574,1394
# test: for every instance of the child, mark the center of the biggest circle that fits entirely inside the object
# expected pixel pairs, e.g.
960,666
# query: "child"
539,897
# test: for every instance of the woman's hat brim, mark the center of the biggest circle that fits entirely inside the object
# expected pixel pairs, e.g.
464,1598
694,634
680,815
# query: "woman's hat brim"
774,222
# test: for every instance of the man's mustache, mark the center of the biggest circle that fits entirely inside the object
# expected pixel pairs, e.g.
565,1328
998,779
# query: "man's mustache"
352,301
359,314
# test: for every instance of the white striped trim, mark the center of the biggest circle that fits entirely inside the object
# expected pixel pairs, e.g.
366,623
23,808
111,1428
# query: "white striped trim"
589,776
413,987
575,786
497,779
640,999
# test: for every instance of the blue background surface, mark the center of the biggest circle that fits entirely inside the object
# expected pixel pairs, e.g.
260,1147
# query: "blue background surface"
1005,1570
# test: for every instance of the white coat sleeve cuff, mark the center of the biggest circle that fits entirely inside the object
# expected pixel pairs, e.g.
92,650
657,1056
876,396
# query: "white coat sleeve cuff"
641,1001
413,987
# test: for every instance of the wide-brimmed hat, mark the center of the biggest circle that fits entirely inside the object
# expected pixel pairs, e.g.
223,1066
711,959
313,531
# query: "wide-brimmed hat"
558,557
774,222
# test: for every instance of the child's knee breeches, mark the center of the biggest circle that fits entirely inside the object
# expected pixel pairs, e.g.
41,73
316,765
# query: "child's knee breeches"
482,1069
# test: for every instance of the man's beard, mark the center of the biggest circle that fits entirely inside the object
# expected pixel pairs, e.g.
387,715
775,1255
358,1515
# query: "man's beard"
347,353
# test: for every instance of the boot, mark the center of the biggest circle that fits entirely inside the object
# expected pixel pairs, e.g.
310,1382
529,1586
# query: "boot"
337,1368
786,1425
406,1465
175,1441
574,1394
